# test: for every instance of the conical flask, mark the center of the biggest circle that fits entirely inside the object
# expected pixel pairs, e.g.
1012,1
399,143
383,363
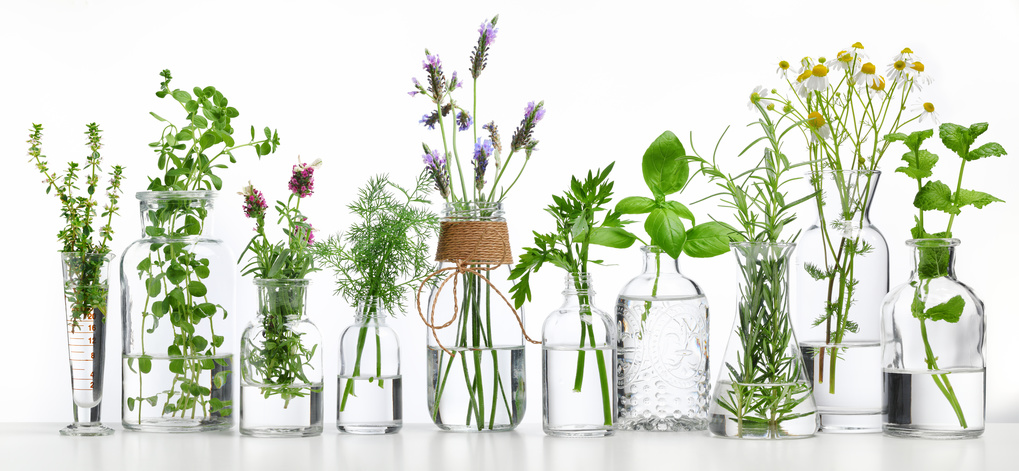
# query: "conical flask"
762,391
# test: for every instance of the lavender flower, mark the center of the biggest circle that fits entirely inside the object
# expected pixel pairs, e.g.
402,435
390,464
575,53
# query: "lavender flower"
417,87
436,166
463,120
254,205
436,80
486,36
523,136
493,134
483,149
302,182
454,84
430,119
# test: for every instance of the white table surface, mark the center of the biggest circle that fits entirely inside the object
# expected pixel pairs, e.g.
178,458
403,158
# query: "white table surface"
25,446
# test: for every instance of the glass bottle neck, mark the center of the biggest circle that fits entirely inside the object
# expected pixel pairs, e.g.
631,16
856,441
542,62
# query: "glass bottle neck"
176,214
845,197
933,258
658,263
282,298
579,290
371,311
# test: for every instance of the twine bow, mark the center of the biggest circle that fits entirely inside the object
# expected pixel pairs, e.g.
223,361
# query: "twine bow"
460,243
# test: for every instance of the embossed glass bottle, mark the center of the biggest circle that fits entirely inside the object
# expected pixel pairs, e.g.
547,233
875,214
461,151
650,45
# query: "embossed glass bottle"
662,349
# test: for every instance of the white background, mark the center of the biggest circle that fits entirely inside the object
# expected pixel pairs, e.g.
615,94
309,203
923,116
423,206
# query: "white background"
333,77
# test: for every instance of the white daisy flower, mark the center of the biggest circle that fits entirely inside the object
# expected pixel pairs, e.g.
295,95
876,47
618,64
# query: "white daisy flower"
818,80
843,62
906,55
818,127
926,110
877,89
897,71
756,96
783,69
867,76
915,70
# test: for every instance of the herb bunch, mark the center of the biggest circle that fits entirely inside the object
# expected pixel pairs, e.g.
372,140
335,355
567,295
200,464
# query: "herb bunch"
379,259
576,215
80,234
765,374
935,195
448,112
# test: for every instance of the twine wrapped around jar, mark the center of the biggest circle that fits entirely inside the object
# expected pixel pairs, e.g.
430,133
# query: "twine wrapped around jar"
471,247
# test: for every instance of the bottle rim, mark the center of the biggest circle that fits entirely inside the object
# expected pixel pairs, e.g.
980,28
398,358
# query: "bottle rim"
281,282
933,243
204,195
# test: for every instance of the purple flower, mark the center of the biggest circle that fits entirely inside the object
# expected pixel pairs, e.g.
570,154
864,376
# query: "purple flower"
254,202
486,36
302,181
487,32
436,80
453,83
436,167
304,231
430,119
463,120
483,149
431,63
417,87
493,134
535,114
523,136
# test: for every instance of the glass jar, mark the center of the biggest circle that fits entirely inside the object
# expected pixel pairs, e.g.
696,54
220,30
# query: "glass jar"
842,276
369,387
86,292
932,346
662,329
177,286
762,392
476,365
281,364
577,389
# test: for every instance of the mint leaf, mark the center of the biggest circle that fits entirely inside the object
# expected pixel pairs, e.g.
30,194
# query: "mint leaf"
635,205
956,137
666,231
978,199
991,149
664,167
935,196
898,136
948,311
707,240
976,130
918,168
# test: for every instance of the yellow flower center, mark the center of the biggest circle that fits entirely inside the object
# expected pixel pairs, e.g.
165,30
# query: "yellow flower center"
857,45
928,107
899,65
868,69
907,51
771,107
844,56
755,97
819,71
917,66
784,65
805,75
787,108
880,85
815,120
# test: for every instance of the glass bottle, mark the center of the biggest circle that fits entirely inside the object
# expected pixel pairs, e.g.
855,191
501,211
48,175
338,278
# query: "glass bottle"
578,346
478,385
281,364
369,387
86,292
842,276
762,392
177,286
932,346
662,331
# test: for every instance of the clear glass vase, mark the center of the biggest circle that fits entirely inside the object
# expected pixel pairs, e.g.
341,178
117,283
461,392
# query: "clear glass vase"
578,347
476,364
842,276
86,292
177,288
762,392
932,347
369,397
281,364
662,347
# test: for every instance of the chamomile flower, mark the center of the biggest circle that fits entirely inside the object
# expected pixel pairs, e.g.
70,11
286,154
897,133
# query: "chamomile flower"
756,96
818,80
867,76
801,83
926,110
916,71
783,69
818,126
897,71
843,62
906,55
877,89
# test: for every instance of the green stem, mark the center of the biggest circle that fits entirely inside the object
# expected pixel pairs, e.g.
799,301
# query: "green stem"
941,379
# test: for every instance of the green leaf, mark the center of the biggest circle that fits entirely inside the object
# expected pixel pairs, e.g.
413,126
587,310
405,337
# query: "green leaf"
216,181
199,342
635,205
158,117
898,136
987,150
176,274
177,366
200,122
185,135
145,363
197,288
666,231
202,271
707,240
935,196
268,132
207,140
918,169
152,287
914,139
192,226
130,403
614,237
948,311
217,340
154,231
191,106
664,165
978,199
680,210
181,96
956,137
208,309
976,130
